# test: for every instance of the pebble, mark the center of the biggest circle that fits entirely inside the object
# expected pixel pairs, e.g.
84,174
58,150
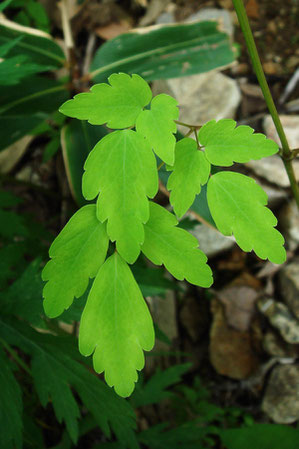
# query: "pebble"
281,400
289,284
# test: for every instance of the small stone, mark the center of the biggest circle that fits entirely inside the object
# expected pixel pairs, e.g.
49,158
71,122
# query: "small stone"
271,68
292,62
239,302
232,352
165,316
289,221
211,242
275,346
164,313
220,15
159,12
281,318
289,282
271,27
281,400
240,69
290,125
275,195
272,169
202,97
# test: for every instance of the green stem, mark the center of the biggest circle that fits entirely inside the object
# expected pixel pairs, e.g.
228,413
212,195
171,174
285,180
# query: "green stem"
187,126
252,50
15,356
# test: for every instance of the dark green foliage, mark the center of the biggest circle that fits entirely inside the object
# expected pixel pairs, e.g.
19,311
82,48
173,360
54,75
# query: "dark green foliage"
11,406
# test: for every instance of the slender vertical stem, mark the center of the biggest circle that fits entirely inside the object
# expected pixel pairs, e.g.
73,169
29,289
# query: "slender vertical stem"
252,50
67,31
69,41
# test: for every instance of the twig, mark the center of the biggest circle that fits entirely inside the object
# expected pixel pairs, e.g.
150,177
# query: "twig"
88,54
68,40
257,65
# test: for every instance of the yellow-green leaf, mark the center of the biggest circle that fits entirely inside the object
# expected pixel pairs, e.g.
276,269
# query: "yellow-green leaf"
118,104
175,248
237,204
116,326
225,143
76,255
157,125
191,170
122,168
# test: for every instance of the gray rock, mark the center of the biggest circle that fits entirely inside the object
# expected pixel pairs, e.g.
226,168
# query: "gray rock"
290,125
275,195
289,221
274,345
212,242
165,316
155,12
281,400
289,282
202,97
272,169
220,15
281,318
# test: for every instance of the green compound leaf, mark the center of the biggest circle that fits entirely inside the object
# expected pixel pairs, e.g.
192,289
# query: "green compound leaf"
77,254
116,325
225,143
237,205
117,104
122,167
175,248
191,170
157,125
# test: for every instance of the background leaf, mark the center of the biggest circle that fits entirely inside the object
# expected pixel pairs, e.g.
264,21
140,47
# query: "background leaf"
11,406
164,51
155,390
25,295
261,436
26,105
36,45
77,140
109,411
13,70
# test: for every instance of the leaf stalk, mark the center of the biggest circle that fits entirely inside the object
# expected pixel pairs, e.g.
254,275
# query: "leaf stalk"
256,62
